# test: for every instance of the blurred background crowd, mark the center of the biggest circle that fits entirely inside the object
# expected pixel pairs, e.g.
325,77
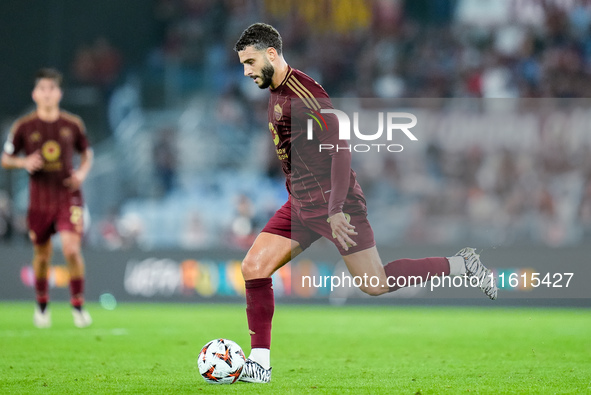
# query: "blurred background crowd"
183,158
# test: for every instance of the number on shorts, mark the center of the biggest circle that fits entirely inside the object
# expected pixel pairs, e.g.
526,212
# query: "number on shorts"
76,215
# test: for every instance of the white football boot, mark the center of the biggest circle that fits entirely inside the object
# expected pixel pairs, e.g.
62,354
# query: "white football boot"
42,319
81,318
253,372
475,268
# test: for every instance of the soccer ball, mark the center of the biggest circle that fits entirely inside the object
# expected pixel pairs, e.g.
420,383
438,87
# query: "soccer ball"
221,361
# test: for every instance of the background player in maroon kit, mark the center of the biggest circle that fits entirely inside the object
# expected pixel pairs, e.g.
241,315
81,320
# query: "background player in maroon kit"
49,137
324,200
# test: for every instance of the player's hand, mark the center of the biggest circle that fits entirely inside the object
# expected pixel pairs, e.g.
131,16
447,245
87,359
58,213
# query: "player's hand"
74,182
342,230
33,162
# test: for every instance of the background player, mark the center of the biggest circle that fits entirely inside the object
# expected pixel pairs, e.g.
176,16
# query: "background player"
324,200
48,138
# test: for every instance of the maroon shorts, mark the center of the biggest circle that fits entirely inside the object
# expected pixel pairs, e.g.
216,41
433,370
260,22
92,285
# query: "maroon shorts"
44,223
307,224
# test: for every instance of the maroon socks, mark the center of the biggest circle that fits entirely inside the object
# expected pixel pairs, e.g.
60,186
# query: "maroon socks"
411,269
41,294
77,292
260,306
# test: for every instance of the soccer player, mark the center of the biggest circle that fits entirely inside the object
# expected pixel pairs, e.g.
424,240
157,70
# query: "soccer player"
324,200
49,137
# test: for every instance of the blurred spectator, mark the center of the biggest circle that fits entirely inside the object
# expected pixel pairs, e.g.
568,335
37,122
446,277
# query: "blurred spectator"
5,217
109,230
84,65
585,207
195,235
99,64
107,62
165,161
242,230
131,229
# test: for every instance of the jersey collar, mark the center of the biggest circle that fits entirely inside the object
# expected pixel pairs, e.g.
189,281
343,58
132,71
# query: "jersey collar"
287,75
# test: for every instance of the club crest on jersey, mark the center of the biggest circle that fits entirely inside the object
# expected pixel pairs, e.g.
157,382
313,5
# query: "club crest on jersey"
35,137
278,112
51,151
65,133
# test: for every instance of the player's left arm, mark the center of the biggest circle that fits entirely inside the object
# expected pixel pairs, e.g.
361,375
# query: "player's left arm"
74,182
340,172
14,144
340,168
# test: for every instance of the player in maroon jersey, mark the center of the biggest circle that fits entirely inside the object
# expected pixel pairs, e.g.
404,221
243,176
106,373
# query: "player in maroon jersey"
324,200
48,138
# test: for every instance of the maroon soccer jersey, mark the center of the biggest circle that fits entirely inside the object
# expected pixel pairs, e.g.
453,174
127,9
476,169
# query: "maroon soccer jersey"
56,141
311,178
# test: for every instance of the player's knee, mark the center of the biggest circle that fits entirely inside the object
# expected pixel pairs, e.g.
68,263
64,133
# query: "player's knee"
42,257
252,268
71,252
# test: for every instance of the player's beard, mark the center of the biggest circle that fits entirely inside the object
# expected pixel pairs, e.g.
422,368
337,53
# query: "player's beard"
267,73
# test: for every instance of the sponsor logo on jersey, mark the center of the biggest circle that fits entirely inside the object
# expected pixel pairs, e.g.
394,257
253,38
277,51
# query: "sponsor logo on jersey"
35,137
281,152
278,112
274,133
51,151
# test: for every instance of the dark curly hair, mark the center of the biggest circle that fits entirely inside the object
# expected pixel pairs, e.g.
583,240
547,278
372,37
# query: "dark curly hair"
49,73
260,36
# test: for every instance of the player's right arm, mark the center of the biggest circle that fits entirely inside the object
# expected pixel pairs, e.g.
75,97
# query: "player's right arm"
31,163
75,180
10,159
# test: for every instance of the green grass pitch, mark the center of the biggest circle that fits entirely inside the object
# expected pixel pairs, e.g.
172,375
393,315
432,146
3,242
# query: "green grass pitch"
152,349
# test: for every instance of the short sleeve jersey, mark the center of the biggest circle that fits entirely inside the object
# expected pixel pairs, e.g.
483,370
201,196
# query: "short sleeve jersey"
307,170
57,142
